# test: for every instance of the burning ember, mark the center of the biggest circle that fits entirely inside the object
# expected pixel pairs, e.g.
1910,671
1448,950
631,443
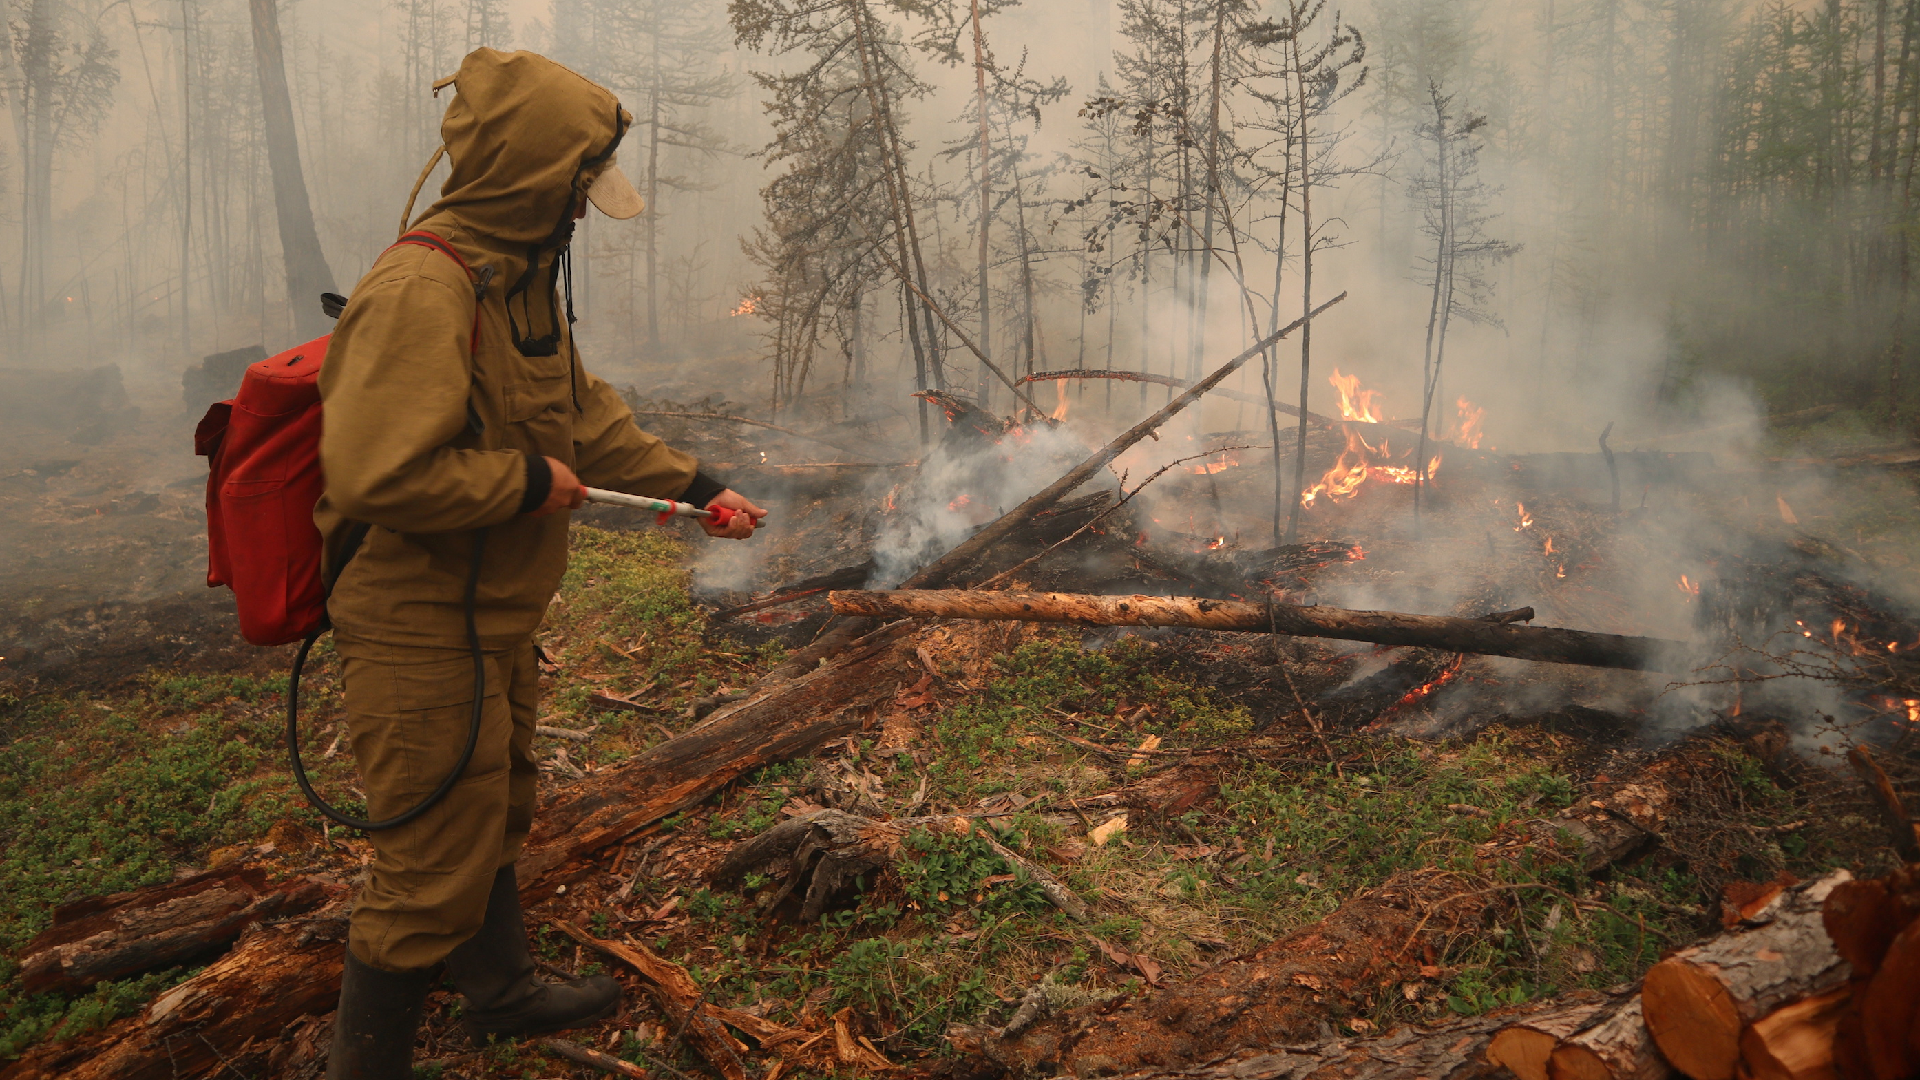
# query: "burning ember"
749,305
1357,464
1427,689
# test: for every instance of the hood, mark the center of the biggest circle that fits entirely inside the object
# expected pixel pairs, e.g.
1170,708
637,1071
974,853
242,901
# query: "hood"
523,134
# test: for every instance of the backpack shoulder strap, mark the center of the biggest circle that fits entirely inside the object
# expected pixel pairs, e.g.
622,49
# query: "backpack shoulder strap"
422,238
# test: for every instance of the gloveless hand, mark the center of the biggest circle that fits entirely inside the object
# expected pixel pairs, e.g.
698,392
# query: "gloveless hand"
747,518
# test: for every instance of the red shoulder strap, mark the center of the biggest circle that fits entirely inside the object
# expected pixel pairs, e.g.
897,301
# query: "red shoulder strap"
429,240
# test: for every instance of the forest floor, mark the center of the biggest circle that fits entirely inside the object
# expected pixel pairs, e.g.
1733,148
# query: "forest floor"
109,790
1293,778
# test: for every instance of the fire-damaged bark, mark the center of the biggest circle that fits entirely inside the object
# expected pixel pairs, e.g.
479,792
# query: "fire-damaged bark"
778,723
1279,996
1542,643
228,1018
112,937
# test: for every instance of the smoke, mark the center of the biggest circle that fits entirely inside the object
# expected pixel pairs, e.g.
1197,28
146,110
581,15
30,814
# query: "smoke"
963,484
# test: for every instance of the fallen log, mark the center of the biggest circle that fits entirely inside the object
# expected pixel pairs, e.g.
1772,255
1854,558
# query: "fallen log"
1699,1000
778,723
228,1018
112,937
1542,643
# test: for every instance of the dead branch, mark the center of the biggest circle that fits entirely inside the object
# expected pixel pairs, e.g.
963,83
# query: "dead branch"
594,1059
1541,643
1901,829
1177,384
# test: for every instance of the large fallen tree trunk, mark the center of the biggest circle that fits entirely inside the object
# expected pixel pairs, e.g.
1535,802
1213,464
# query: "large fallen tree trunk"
112,937
1542,643
228,1019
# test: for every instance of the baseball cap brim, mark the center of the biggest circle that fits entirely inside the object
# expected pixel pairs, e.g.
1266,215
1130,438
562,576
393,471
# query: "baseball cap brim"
613,195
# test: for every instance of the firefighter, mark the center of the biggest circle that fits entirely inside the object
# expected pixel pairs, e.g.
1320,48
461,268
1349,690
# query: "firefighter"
461,437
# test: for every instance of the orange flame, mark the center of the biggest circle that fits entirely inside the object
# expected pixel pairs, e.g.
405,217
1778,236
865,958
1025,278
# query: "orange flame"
960,502
1061,399
1355,403
1549,550
1470,417
1357,464
1526,519
749,304
1689,586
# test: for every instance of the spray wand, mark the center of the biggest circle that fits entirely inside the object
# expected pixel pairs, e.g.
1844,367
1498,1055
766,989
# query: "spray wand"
666,508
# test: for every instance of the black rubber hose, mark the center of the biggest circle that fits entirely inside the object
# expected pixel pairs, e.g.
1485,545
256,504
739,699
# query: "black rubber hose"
473,732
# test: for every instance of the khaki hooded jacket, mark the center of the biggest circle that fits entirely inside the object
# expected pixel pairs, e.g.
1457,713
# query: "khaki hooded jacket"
427,432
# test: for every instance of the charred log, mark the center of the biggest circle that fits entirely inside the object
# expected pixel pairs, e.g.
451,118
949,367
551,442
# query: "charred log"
1540,643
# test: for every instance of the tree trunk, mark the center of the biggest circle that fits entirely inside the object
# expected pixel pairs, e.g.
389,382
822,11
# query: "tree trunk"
147,929
1541,643
220,1020
1699,999
307,272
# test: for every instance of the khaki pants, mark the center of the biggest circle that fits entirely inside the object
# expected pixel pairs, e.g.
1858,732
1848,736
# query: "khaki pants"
408,713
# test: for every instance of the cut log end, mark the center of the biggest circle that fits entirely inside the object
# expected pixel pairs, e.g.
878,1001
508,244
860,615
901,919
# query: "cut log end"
1795,1042
1524,1052
1695,1020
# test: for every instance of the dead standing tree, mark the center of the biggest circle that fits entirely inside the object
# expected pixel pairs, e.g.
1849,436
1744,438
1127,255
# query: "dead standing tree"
1453,200
1312,79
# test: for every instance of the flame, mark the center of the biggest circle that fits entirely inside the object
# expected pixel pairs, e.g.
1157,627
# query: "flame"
1355,403
1526,519
1356,553
1227,459
960,502
1470,417
1359,462
749,305
1061,399
1427,689
1689,586
1913,709
1549,550
1216,543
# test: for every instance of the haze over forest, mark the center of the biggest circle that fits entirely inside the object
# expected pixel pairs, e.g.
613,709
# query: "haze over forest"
1631,203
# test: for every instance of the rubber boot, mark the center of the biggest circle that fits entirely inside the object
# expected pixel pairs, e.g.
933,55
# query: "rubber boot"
374,1027
494,971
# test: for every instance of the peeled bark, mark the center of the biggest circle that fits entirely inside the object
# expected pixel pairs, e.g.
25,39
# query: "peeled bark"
112,937
1617,1048
1699,999
1542,643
